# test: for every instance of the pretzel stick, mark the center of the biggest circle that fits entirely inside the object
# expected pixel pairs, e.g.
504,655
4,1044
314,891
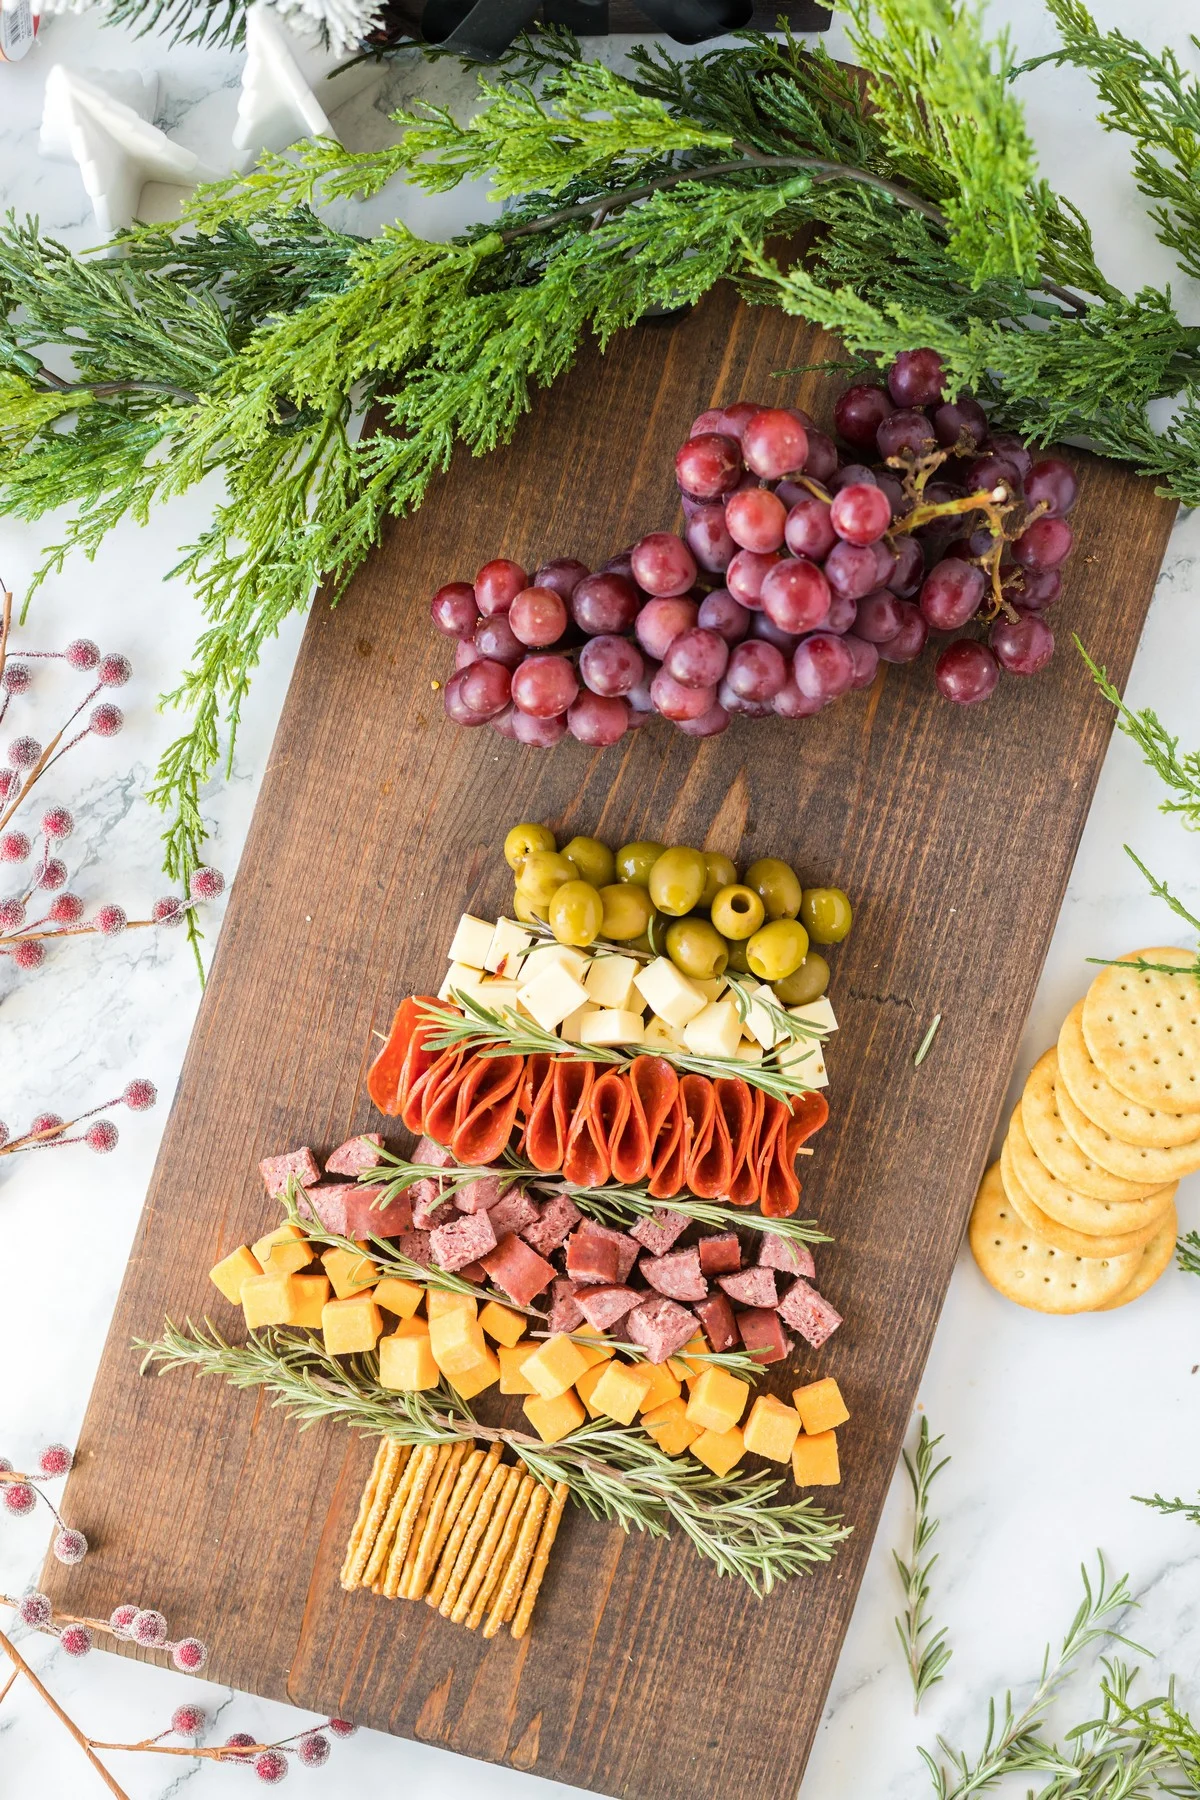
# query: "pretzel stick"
452,1544
470,1542
533,1582
494,1573
487,1548
437,1479
395,1461
423,1463
454,1483
364,1508
510,1588
377,1561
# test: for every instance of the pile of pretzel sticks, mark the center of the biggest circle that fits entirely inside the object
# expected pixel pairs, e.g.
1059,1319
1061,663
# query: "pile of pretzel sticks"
452,1525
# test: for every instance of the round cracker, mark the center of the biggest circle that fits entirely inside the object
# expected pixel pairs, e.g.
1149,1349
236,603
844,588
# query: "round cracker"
1111,1110
1024,1268
1079,1243
1154,1260
1143,1029
1057,1150
1099,1218
1134,1162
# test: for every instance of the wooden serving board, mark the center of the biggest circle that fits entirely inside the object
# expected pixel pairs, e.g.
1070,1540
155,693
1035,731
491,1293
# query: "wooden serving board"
954,831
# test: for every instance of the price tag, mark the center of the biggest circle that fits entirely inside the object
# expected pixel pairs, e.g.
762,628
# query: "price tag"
18,28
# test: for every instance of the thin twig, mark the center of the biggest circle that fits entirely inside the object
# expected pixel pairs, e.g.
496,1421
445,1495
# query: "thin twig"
23,1668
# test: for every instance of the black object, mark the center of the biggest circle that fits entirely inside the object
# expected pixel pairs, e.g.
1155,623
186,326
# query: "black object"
483,29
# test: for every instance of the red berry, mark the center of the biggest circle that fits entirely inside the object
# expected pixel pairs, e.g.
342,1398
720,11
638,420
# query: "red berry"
917,378
168,911
206,884
240,1740
52,874
270,1766
35,1611
14,846
188,1721
189,1655
12,913
55,1460
121,1619
149,1628
140,1095
106,720
23,752
82,654
341,1727
102,1136
70,1546
46,1121
17,677
114,670
66,909
76,1640
8,778
313,1750
111,919
5,1134
30,954
57,822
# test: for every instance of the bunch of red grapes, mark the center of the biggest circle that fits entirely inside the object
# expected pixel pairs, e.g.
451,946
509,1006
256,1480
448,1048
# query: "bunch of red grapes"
796,575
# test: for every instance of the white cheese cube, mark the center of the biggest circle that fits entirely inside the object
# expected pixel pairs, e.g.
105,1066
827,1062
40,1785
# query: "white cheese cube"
509,943
571,1026
553,956
552,995
711,987
498,993
609,980
748,1053
671,995
658,1034
816,1012
757,1023
716,1031
459,979
612,1026
804,1065
470,941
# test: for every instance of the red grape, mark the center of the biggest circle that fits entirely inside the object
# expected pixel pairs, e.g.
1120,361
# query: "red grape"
911,638
639,699
660,622
790,703
852,475
909,571
1022,646
708,466
860,412
598,720
878,617
986,473
706,422
952,593
709,724
774,443
708,538
860,514
498,584
770,633
966,672
697,658
675,701
562,576
745,576
734,419
544,686
905,434
795,595
1033,589
503,722
850,570
1044,544
486,687
756,670
544,733
496,640
807,530
611,665
865,658
663,564
960,424
605,602
620,564
456,705
1052,481
466,652
453,609
885,563
899,502
822,666
822,458
538,616
1007,443
720,612
917,378
842,611
739,706
755,519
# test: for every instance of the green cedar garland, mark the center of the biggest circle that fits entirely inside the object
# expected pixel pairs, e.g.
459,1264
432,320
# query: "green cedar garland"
237,349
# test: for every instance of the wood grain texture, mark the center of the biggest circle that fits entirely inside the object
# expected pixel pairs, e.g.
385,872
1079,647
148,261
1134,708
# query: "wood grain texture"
954,830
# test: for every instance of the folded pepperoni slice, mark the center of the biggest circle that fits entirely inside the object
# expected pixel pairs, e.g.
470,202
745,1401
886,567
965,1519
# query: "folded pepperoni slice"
743,1188
611,1103
709,1162
409,1028
430,1106
538,1069
778,1189
736,1108
572,1083
653,1085
486,1108
668,1158
543,1140
585,1159
809,1113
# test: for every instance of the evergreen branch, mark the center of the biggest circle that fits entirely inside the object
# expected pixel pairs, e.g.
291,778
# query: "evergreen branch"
925,1656
1187,1253
1160,751
614,1472
1189,1508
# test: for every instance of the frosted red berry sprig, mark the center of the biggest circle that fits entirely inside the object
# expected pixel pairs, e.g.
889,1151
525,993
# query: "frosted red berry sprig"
20,1493
50,1130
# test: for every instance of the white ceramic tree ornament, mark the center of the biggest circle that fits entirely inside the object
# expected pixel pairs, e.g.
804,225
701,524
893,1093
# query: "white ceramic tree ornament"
290,85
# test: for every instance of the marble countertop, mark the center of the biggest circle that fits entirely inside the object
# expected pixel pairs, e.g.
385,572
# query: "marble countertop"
1052,1423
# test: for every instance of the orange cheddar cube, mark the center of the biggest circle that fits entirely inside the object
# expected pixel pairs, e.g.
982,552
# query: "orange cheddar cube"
815,1460
457,1342
406,1359
597,1352
512,1376
314,1292
585,1387
621,1389
233,1270
439,1301
670,1427
820,1405
696,1347
398,1296
554,1366
501,1323
270,1299
483,1374
719,1450
351,1326
283,1250
349,1271
553,1419
663,1387
718,1400
771,1429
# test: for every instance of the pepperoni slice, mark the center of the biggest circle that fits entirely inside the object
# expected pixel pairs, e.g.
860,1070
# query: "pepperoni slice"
778,1189
431,1103
543,1139
809,1112
386,1082
743,1189
486,1108
538,1069
573,1078
709,1161
736,1108
653,1085
585,1158
668,1158
611,1103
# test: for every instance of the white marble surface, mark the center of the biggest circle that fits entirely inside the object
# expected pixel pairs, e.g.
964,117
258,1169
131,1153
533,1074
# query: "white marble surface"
1053,1424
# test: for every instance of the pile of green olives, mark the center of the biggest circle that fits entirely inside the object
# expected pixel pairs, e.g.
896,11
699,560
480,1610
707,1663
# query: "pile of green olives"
686,904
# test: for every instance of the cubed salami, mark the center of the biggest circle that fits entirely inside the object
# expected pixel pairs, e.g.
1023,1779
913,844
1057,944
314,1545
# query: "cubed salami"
428,1207
752,1287
594,1253
659,1230
720,1253
520,1271
603,1306
467,1237
762,1334
415,1245
327,1204
430,1155
677,1275
628,1251
513,1212
294,1165
809,1313
793,1258
473,1272
364,1218
480,1195
565,1311
554,1224
716,1319
660,1326
355,1155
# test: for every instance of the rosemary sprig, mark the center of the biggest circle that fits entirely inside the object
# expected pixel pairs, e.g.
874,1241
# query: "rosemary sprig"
925,1656
614,1472
1190,1509
395,1175
1187,1253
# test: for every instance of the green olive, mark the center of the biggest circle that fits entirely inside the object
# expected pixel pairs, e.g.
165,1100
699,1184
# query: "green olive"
635,861
523,840
737,964
677,880
543,872
804,984
642,943
656,934
697,948
777,886
737,912
576,913
777,949
827,915
719,873
627,911
524,909
593,859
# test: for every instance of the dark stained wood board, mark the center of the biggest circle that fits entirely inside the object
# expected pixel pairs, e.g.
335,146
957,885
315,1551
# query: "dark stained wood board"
378,823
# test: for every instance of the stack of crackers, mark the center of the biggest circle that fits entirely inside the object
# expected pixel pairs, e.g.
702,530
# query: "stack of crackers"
454,1526
1079,1213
